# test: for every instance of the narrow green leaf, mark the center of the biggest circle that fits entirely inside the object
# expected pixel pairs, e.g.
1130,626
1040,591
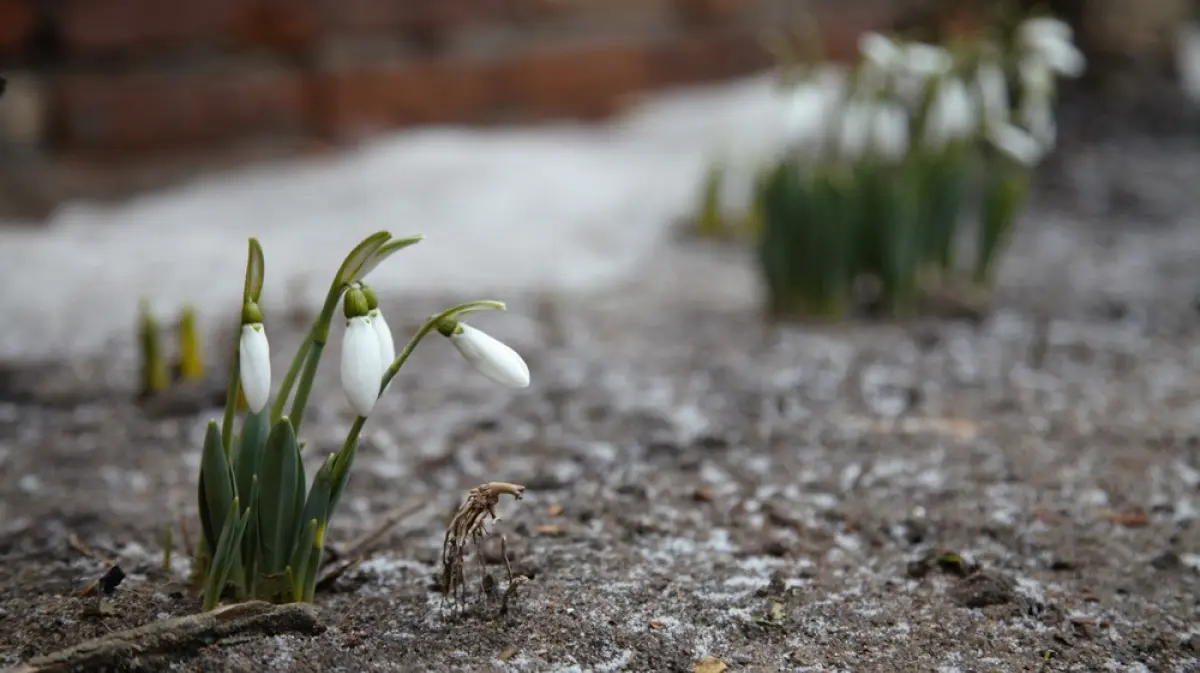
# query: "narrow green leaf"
248,559
383,252
248,450
277,515
316,512
299,563
255,272
359,256
216,484
341,474
224,556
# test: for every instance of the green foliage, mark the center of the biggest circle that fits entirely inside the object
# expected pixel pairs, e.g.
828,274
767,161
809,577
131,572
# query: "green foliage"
155,376
263,525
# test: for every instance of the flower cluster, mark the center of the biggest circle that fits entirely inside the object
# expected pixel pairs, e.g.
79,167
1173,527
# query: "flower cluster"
882,163
263,523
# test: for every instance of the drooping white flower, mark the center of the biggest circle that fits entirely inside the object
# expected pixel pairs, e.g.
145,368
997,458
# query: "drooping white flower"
854,129
1015,142
383,334
254,365
952,115
926,60
1036,75
810,114
1187,59
1037,115
1052,41
490,357
993,91
880,51
361,368
889,131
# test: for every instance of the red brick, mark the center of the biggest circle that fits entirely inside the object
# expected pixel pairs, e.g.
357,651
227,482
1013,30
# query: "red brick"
710,55
287,24
16,24
90,26
713,11
156,111
353,101
579,81
590,13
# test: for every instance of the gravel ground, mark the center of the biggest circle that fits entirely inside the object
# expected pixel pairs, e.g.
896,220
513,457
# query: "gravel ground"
1019,494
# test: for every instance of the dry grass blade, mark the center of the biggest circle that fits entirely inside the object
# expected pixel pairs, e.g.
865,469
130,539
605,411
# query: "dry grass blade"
469,527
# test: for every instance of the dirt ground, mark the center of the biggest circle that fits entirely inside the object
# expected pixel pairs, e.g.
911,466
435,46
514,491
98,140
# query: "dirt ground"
1017,494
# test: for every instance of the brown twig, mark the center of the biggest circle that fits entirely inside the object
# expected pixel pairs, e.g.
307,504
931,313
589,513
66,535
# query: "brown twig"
175,636
352,553
80,546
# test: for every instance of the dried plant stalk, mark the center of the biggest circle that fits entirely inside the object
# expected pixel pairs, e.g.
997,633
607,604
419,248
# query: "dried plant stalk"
469,526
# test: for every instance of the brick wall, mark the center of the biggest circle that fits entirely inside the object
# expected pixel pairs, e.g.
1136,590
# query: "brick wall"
134,78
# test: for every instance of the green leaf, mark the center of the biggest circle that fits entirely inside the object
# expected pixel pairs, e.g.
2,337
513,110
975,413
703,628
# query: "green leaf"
1003,195
359,256
306,557
225,555
277,515
215,486
341,473
296,569
386,250
255,273
248,451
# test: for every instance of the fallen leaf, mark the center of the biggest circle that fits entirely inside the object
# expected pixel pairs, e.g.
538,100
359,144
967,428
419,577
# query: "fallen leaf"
776,612
508,653
656,624
702,494
548,529
554,510
1133,520
709,665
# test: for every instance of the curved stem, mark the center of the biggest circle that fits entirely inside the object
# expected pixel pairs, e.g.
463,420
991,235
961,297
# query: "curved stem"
316,344
231,399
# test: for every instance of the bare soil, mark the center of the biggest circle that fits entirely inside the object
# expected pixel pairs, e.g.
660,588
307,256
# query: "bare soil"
1016,494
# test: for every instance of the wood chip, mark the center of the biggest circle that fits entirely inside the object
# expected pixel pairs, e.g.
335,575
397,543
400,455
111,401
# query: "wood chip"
549,529
656,624
508,653
709,665
702,494
554,510
1131,520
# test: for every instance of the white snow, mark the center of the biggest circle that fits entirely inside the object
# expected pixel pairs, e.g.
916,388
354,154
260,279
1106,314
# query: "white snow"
561,208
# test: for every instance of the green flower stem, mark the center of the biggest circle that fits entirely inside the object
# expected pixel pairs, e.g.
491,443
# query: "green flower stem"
345,457
289,379
231,398
316,344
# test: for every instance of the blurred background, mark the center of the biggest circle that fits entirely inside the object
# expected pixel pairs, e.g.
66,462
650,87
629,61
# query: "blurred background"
142,141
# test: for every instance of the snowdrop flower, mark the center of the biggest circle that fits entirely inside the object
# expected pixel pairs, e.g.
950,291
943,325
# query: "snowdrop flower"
1037,115
1036,75
854,129
254,359
889,131
383,333
1051,41
1187,59
926,60
951,115
361,364
487,355
810,114
993,91
1016,143
880,51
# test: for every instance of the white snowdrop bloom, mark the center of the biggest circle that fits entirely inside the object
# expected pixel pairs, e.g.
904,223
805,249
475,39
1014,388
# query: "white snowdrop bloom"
361,368
1187,59
889,131
993,91
1016,143
926,60
1053,42
880,51
854,129
254,365
490,357
810,114
1036,75
383,334
952,115
1037,115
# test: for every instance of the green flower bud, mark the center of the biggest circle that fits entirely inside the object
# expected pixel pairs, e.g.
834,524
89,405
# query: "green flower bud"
251,313
372,299
355,305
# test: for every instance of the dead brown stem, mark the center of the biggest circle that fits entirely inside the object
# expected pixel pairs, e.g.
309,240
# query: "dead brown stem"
468,527
174,636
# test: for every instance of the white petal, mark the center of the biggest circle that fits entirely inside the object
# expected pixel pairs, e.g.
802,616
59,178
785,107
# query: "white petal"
854,132
1052,41
879,50
1040,29
491,357
928,60
1038,116
1015,142
890,131
254,365
361,367
383,333
993,90
952,115
809,113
